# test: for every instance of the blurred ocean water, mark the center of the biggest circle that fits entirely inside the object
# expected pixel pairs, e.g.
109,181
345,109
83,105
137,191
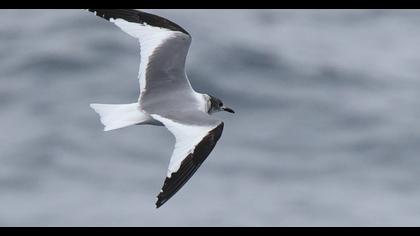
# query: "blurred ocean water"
326,131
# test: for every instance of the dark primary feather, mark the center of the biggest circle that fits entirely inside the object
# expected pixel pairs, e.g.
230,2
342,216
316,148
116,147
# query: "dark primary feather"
175,50
140,17
189,165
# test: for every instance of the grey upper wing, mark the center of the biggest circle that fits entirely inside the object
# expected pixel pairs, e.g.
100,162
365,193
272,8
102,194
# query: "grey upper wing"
165,76
164,47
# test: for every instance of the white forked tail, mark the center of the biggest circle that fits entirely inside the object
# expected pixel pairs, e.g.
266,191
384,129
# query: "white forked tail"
115,116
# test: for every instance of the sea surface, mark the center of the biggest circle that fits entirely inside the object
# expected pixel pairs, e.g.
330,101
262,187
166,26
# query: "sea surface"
326,130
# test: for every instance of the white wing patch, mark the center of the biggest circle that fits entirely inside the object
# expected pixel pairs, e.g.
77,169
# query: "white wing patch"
187,137
150,38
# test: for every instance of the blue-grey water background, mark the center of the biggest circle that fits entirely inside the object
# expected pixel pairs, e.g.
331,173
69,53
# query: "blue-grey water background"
326,131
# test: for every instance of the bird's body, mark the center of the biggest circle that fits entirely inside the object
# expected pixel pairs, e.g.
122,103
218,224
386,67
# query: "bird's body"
116,116
166,95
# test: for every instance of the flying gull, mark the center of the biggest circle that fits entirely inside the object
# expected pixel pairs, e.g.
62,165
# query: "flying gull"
166,96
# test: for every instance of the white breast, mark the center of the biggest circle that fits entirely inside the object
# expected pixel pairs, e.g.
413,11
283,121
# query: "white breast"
203,102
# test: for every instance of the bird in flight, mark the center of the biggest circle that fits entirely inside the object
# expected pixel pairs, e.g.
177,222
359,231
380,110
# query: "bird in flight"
166,96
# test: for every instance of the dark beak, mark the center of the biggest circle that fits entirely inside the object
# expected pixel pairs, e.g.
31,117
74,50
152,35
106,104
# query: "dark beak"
228,109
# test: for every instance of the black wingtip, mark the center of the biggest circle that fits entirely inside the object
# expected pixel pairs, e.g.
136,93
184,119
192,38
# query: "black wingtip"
137,16
159,202
189,166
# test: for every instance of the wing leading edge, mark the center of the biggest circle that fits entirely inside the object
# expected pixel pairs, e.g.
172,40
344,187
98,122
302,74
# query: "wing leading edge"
193,146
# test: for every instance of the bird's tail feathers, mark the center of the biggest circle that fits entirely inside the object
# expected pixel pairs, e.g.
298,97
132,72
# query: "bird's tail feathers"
116,116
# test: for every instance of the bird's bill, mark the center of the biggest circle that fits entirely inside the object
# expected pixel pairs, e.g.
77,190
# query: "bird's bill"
228,109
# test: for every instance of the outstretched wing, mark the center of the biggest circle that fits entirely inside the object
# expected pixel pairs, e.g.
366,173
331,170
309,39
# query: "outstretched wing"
167,95
164,47
193,144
